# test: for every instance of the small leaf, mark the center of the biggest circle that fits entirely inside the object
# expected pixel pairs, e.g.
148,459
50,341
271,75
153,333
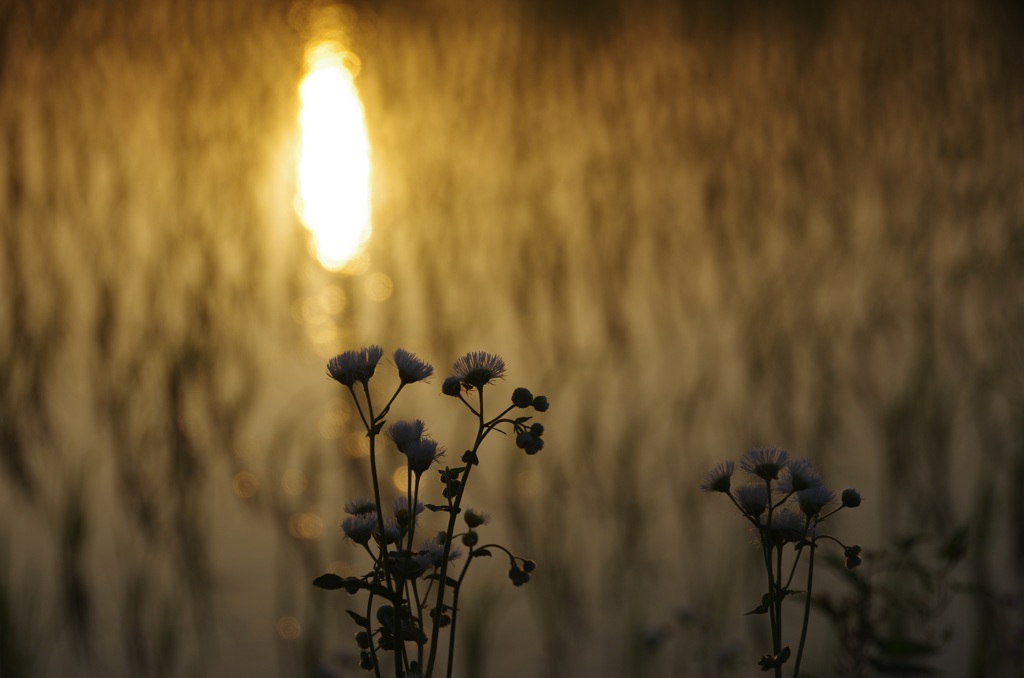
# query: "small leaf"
481,552
435,508
359,619
329,581
766,604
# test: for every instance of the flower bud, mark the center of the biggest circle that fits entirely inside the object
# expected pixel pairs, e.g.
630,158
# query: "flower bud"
451,386
540,403
851,498
521,397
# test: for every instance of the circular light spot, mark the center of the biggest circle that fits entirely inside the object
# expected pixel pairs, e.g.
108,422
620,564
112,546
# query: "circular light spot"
358,447
306,526
289,628
400,478
379,286
294,482
245,484
332,300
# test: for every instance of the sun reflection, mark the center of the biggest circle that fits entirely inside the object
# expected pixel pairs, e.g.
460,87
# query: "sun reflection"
334,157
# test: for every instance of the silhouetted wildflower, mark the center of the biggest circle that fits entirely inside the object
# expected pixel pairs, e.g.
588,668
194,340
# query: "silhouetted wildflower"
404,432
475,518
478,368
421,454
410,368
765,462
813,499
799,474
401,509
355,366
718,479
360,527
360,506
752,498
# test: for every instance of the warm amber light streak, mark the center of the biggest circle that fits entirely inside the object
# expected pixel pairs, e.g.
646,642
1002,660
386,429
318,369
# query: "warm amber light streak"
334,160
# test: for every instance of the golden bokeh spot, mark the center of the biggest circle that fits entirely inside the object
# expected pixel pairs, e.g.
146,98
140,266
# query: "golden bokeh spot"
400,478
294,482
357,446
289,628
332,299
245,484
307,526
334,156
340,568
379,286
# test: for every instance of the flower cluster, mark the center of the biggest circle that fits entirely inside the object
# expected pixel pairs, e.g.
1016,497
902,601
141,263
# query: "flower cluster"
785,502
410,587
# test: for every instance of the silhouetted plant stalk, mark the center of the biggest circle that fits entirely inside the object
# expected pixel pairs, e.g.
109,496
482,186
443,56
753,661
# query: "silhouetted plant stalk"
404,578
785,505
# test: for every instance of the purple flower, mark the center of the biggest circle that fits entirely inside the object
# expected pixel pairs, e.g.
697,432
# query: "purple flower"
354,366
719,478
799,474
477,368
814,499
765,462
410,368
404,432
752,498
421,454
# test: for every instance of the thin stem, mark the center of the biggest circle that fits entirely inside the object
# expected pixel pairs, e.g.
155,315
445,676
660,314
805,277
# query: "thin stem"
393,589
455,612
778,607
481,433
807,610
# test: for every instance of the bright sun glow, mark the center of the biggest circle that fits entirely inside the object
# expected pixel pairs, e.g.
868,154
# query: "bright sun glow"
334,160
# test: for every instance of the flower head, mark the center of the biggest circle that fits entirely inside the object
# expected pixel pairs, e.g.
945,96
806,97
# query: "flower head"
431,552
404,432
765,462
354,366
787,527
360,506
752,498
422,453
719,478
477,368
851,498
813,499
401,508
451,386
475,518
392,532
410,368
360,527
799,474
